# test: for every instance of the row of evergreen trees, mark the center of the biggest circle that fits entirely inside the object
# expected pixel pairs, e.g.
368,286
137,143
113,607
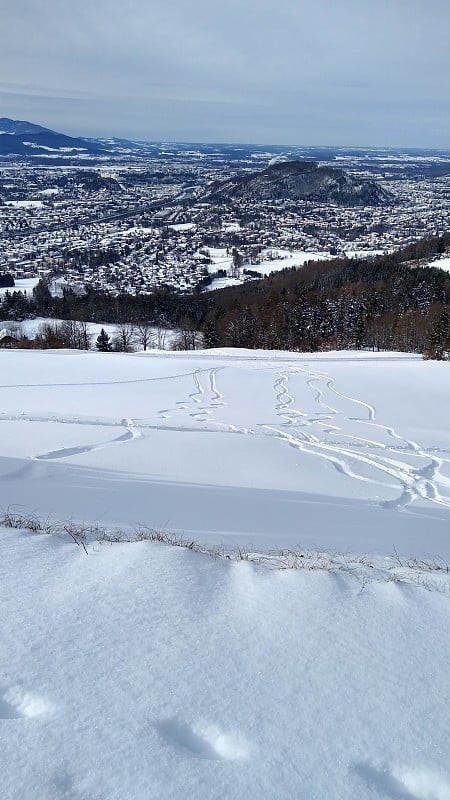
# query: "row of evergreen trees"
389,302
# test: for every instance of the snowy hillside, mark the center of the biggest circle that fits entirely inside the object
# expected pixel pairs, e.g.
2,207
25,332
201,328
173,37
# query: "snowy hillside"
141,670
144,671
347,451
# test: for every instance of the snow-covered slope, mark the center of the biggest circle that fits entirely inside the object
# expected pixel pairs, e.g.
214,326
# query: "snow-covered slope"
145,671
345,451
140,670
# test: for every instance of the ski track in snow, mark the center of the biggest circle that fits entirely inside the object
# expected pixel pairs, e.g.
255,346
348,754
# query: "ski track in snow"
415,482
131,432
205,399
317,433
81,384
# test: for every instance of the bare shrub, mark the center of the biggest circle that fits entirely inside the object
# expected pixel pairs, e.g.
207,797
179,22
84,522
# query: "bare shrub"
429,574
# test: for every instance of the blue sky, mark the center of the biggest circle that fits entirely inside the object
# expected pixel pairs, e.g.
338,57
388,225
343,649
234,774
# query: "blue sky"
343,72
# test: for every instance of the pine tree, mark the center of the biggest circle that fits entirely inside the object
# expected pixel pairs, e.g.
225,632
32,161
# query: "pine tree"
210,334
103,343
438,345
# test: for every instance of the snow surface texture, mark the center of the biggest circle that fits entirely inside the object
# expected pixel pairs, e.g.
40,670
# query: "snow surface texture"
146,671
340,451
140,670
254,438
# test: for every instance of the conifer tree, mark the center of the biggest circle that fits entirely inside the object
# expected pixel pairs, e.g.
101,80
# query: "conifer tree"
103,343
439,338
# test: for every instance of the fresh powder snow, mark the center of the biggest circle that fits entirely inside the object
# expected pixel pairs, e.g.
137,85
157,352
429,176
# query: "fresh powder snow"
343,451
303,653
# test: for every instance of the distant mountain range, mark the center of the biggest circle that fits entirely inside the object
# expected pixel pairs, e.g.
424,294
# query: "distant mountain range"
19,127
19,137
295,180
301,180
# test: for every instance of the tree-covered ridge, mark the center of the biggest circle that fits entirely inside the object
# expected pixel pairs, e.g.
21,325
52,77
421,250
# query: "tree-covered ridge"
387,302
392,302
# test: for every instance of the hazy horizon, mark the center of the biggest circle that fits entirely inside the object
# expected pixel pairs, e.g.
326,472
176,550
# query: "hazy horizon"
217,143
353,74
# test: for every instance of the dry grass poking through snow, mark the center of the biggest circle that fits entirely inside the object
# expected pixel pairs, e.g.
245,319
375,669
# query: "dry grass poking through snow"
432,574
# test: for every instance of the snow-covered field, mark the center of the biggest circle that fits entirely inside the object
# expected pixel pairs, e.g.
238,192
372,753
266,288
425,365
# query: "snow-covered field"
441,263
272,260
21,285
142,670
276,259
349,451
31,327
25,203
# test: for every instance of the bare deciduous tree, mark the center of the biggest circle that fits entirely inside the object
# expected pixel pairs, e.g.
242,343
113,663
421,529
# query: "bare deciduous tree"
67,333
144,335
124,338
187,338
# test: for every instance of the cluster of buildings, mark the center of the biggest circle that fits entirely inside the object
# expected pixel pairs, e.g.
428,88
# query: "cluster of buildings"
135,226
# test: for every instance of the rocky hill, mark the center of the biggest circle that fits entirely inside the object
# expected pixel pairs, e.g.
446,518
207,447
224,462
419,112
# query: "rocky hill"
301,180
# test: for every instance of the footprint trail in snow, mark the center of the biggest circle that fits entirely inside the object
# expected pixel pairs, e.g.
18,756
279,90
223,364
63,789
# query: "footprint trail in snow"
318,433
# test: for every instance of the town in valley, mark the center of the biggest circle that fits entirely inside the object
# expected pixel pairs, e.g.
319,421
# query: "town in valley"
133,217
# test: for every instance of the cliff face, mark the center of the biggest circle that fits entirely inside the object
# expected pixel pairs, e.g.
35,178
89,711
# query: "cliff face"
302,180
